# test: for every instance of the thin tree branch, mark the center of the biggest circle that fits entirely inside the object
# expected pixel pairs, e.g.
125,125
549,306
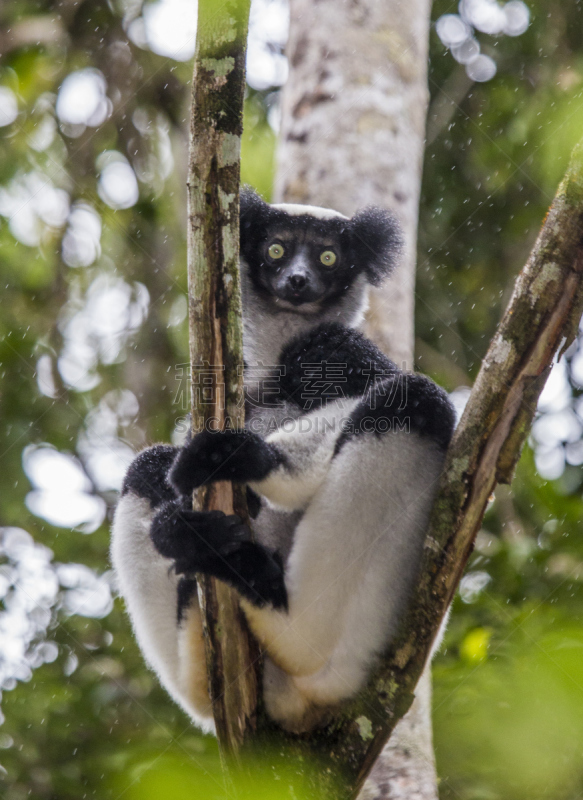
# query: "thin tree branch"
216,342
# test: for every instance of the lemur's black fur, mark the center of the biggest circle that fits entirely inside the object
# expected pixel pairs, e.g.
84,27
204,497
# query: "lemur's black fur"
411,403
148,472
351,365
229,456
219,545
208,542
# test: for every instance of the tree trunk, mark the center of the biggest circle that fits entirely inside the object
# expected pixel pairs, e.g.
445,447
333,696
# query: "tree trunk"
216,337
353,128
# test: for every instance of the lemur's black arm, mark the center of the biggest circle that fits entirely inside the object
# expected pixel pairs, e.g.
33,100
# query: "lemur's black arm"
148,473
239,456
351,365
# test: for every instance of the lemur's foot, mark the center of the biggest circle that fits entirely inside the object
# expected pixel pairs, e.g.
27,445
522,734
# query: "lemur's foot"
239,456
287,705
212,543
254,571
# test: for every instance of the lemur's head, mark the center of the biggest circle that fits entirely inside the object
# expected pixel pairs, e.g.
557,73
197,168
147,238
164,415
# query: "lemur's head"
305,258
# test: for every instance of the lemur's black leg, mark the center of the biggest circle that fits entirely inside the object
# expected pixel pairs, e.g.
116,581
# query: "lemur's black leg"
414,405
185,594
239,456
219,545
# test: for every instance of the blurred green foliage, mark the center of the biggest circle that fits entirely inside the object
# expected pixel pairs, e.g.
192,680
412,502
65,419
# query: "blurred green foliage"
509,680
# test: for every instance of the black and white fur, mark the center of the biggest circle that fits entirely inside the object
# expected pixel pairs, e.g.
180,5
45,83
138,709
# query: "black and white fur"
340,501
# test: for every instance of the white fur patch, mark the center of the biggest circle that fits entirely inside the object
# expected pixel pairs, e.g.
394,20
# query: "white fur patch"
296,210
350,571
149,588
308,444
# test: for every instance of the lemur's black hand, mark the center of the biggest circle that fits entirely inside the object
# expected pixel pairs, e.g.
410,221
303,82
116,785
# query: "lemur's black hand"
189,537
239,456
219,545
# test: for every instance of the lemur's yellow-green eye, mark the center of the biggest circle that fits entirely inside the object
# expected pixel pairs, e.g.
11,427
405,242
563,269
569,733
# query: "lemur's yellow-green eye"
275,251
328,258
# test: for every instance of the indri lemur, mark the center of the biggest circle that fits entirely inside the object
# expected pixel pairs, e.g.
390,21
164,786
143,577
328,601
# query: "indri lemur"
341,463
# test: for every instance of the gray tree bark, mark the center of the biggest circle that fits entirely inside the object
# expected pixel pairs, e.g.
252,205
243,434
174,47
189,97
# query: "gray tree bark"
353,131
353,128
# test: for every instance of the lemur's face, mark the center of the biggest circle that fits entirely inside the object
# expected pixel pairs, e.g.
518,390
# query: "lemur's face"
304,261
300,262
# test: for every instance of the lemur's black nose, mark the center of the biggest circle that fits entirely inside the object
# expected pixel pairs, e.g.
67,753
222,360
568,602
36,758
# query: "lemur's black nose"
297,282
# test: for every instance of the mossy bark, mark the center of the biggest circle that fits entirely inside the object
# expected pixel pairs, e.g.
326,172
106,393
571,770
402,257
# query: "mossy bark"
216,343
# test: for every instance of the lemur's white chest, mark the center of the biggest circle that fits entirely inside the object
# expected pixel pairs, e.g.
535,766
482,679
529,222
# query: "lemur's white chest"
267,328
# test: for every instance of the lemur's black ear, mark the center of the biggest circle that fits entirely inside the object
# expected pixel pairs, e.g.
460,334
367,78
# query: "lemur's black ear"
377,241
249,199
253,216
252,206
